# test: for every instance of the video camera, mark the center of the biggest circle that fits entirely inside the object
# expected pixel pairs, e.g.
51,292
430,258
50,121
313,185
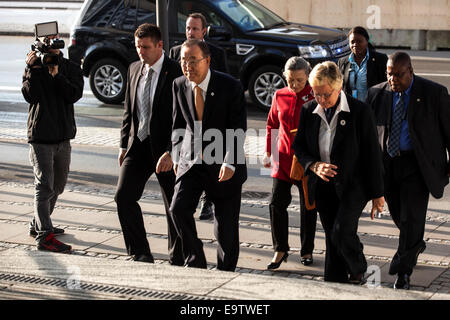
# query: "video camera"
42,48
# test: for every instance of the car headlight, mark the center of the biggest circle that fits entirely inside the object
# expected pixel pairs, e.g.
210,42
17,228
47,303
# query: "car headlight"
316,51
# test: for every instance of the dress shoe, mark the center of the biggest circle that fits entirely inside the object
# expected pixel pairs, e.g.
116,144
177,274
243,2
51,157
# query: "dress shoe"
144,258
358,279
307,261
276,265
206,210
402,282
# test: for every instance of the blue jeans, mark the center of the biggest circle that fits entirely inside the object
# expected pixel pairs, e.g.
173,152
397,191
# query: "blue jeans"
51,167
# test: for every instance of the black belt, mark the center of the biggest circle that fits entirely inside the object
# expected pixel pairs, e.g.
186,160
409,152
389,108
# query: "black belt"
405,153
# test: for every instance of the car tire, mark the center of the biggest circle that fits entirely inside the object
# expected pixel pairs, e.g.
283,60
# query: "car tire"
107,79
263,83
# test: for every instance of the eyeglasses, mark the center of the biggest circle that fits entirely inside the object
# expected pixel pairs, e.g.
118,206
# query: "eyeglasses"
397,75
191,63
325,96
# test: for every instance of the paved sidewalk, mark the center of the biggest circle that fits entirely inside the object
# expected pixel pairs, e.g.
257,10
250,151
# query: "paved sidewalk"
90,220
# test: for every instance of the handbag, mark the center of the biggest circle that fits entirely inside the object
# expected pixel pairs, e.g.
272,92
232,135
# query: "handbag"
298,174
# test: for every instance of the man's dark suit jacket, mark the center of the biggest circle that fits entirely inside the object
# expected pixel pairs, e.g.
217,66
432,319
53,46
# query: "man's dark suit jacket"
428,116
161,113
218,57
225,108
376,69
355,150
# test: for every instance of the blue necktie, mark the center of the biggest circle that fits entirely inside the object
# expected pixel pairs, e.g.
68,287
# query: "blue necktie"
394,138
143,130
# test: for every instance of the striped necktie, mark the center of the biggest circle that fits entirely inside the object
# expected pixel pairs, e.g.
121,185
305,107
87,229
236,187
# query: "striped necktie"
144,119
394,138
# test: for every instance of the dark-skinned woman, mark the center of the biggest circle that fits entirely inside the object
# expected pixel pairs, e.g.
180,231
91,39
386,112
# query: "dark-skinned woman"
364,68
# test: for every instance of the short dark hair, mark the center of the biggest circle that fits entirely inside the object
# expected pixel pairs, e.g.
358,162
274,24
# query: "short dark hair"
148,30
197,15
201,44
400,57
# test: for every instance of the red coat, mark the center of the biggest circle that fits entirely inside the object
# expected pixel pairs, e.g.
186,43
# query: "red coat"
284,115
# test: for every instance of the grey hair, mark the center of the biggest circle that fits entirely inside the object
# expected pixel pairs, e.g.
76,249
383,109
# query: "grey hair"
297,63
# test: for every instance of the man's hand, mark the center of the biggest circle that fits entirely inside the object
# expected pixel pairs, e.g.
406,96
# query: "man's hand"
165,163
53,70
266,160
225,173
377,206
324,170
31,59
121,156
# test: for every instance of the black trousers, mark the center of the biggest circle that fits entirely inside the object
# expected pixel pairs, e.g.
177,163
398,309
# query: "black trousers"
135,171
340,217
279,219
226,218
407,197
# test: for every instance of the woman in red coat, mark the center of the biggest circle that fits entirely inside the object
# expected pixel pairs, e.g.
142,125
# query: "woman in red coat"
282,123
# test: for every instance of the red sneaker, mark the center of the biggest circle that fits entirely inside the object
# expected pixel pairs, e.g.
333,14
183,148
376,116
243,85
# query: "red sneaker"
51,244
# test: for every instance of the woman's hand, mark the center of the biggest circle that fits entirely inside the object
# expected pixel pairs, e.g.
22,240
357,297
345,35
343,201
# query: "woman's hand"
324,170
266,160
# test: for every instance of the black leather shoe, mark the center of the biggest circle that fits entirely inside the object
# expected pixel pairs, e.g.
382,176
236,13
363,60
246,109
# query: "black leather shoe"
358,279
144,258
206,210
276,265
402,282
307,261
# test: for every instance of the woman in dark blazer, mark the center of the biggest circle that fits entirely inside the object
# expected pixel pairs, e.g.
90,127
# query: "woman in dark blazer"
337,145
364,68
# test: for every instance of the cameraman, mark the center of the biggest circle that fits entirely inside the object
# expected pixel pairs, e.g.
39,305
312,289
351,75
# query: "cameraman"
51,91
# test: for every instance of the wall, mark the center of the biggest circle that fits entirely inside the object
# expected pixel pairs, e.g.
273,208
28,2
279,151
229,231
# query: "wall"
419,24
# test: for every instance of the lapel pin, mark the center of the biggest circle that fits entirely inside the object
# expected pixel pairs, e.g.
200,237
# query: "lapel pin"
418,99
343,122
212,94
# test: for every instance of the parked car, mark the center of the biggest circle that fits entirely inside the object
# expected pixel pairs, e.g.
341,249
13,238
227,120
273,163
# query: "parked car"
256,40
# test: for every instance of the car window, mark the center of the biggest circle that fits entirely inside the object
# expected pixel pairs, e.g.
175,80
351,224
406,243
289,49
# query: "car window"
248,14
185,8
99,12
132,13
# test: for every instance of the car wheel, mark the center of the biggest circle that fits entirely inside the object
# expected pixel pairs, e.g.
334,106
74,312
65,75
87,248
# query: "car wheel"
107,80
263,84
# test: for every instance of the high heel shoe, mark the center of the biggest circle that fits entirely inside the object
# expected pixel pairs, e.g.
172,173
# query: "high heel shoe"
276,265
307,261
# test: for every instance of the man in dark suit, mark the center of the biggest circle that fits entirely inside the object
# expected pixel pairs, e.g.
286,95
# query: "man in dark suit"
196,29
145,140
208,105
413,120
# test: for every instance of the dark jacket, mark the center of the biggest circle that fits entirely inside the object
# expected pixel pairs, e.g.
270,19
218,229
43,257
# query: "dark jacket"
355,150
376,70
218,57
225,108
161,113
51,114
428,117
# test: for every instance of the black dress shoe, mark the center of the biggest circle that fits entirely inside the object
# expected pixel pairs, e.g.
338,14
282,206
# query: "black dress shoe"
358,279
276,265
144,258
206,211
307,261
402,282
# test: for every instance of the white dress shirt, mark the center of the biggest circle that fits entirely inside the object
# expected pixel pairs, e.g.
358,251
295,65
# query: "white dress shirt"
327,130
204,86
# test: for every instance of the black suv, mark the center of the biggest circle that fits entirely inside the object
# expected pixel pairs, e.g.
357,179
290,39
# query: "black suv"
257,42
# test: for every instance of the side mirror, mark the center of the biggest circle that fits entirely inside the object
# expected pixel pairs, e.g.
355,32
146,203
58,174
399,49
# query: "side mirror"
218,33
